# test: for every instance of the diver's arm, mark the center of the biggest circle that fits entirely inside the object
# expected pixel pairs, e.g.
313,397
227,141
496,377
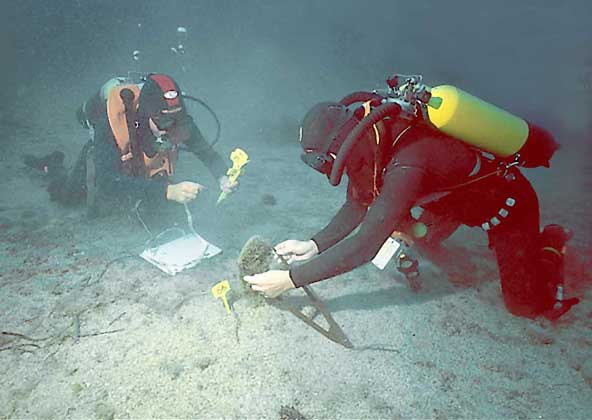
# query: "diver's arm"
402,187
204,151
110,179
348,217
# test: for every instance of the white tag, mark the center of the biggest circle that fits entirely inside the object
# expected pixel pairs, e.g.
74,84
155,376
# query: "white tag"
386,252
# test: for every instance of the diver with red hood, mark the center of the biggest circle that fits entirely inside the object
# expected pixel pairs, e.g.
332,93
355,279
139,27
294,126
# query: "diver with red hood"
137,129
438,150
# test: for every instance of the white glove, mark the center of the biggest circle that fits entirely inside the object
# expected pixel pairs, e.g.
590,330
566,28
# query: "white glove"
226,185
293,250
183,192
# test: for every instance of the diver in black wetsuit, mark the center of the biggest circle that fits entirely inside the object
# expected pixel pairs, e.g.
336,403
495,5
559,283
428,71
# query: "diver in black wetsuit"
134,148
396,165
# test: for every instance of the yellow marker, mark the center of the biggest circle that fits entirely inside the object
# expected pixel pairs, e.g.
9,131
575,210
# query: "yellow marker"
239,159
220,290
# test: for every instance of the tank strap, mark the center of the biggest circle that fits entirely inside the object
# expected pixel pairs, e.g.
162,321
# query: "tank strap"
367,109
400,135
502,169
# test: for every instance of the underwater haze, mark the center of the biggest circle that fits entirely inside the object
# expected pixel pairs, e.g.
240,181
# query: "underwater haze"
90,332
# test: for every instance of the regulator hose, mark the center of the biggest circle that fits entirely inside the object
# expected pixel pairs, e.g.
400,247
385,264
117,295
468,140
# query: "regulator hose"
212,113
390,109
361,96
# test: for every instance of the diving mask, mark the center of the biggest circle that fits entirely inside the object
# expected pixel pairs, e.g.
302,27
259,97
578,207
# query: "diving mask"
170,120
321,158
319,161
175,127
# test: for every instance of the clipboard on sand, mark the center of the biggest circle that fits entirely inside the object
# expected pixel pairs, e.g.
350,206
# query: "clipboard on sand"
180,254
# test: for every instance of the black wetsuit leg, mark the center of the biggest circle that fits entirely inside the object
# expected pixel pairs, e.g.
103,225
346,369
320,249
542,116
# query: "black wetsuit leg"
516,243
70,188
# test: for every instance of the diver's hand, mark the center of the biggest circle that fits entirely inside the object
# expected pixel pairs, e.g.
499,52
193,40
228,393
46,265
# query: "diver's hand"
183,192
226,185
272,283
293,250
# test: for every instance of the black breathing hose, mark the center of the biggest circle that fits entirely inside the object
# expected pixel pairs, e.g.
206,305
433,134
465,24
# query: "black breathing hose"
389,109
212,113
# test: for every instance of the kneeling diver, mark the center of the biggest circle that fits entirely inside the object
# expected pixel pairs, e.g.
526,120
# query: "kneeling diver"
415,147
138,127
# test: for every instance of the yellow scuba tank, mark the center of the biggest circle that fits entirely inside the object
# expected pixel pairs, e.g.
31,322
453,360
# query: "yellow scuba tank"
476,122
457,114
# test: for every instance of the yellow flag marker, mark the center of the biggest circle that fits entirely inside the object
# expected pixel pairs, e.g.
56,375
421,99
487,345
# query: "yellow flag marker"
239,159
220,290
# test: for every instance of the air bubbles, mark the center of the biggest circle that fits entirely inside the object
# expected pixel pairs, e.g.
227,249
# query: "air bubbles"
181,40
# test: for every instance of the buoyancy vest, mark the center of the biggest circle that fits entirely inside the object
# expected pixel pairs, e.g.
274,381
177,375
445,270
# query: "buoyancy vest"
162,163
371,157
476,180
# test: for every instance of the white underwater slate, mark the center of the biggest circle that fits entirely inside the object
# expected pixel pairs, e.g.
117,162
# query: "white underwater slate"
180,254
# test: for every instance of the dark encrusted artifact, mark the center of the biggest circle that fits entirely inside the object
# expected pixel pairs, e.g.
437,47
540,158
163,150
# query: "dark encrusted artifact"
258,256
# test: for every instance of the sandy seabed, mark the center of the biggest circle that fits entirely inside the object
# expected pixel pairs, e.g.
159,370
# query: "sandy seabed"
95,332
